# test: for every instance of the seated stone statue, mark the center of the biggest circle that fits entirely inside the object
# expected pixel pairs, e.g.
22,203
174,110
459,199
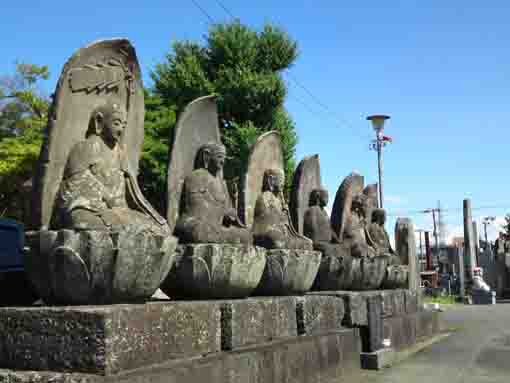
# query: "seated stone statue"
317,227
98,191
379,236
356,233
272,227
206,214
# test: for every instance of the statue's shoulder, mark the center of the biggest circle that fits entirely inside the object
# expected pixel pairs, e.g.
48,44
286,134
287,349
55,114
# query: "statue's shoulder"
82,155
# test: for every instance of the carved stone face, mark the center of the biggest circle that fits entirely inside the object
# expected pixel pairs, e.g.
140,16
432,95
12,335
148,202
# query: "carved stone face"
274,181
111,124
216,162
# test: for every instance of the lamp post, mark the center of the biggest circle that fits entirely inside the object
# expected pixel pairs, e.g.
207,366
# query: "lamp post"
487,221
380,141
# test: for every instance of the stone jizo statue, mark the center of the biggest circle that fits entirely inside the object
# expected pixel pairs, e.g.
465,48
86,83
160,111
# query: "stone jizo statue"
206,213
378,234
317,227
98,191
272,227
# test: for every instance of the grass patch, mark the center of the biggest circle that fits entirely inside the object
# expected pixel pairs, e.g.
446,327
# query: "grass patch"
443,300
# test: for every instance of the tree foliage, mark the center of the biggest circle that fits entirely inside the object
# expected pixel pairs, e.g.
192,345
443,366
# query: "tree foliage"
243,68
23,116
506,227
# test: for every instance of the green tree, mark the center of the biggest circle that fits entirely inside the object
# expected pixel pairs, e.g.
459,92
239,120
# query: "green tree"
23,116
506,226
243,67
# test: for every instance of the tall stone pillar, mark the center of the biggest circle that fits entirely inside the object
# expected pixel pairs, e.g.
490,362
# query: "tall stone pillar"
461,273
469,241
477,243
405,243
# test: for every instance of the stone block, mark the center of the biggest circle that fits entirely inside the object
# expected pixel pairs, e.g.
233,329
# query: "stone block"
387,304
206,271
321,358
354,305
378,359
411,301
481,297
257,320
317,314
106,339
289,272
375,323
399,302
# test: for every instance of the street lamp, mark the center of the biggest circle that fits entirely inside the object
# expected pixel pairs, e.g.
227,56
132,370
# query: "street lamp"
487,221
380,141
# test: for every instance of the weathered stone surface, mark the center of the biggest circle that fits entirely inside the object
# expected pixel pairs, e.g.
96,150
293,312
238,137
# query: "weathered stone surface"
354,305
411,301
351,273
399,303
104,71
469,240
321,358
319,313
257,320
215,271
265,154
288,272
375,323
98,267
109,339
307,178
199,205
378,360
197,125
405,241
88,205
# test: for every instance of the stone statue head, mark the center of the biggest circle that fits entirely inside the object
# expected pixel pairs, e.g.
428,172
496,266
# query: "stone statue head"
319,197
273,180
108,121
211,156
379,216
359,204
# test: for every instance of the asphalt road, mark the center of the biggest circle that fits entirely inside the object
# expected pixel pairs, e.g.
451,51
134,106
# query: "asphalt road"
478,352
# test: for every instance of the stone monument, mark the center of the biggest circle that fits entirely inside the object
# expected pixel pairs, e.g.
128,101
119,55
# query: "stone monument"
216,258
469,240
99,240
405,244
292,264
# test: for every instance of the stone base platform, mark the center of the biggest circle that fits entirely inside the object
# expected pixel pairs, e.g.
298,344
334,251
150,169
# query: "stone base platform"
394,317
480,297
266,339
319,358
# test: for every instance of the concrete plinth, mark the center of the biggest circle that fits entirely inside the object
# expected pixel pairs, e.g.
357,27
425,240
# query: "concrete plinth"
480,297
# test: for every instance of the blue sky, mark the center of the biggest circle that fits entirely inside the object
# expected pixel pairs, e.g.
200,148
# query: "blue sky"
441,69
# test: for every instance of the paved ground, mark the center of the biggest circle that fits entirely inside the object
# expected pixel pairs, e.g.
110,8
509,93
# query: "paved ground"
479,352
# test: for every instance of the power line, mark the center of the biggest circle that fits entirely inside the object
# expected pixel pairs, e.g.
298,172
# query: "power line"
209,17
225,9
293,78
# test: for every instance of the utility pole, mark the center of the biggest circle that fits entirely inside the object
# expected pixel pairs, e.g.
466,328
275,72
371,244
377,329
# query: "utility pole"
378,144
437,224
427,251
419,231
